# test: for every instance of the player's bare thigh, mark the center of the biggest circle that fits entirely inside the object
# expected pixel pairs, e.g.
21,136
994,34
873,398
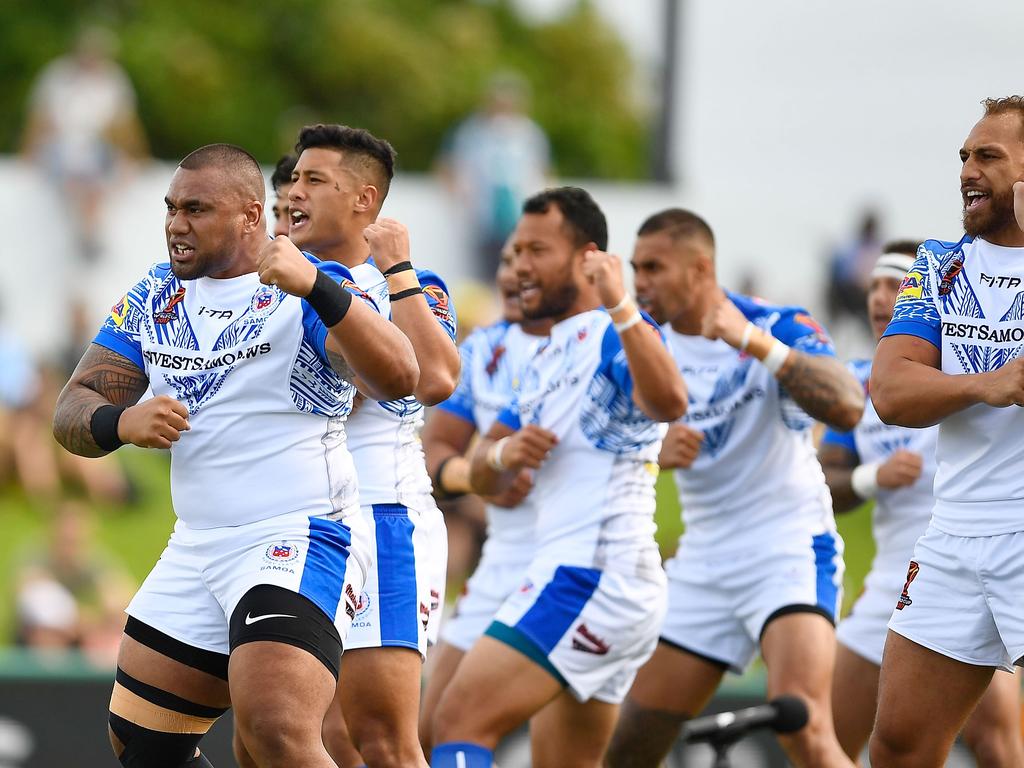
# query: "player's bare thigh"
443,660
571,734
854,696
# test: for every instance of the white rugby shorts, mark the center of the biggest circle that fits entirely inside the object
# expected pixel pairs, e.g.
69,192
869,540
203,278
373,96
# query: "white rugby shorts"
864,630
401,600
962,597
591,629
203,572
719,604
495,578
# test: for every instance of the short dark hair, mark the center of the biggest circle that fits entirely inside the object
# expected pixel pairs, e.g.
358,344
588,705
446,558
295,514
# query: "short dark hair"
906,247
584,218
1004,105
241,166
678,223
358,144
283,172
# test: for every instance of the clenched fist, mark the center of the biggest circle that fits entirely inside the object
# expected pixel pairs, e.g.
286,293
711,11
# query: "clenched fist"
154,423
604,270
680,447
389,242
900,470
1004,386
529,447
724,321
513,495
282,264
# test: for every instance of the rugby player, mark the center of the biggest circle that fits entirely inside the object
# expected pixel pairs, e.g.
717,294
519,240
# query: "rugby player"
895,467
492,358
585,418
760,564
339,185
951,356
281,181
251,600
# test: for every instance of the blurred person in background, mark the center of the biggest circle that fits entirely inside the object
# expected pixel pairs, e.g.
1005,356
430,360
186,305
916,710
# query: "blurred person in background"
759,567
490,162
895,467
850,268
73,593
281,181
82,124
491,360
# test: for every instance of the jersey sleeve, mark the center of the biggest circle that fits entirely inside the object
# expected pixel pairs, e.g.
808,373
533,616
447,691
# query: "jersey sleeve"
439,301
121,332
460,402
797,329
313,328
842,439
613,357
914,313
509,415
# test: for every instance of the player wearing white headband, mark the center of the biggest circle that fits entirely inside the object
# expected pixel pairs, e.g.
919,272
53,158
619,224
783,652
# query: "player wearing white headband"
895,467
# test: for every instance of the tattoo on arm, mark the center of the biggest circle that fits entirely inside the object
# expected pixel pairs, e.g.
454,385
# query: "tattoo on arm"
341,366
103,377
822,387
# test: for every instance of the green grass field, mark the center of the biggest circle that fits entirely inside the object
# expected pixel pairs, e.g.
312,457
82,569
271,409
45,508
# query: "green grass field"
134,536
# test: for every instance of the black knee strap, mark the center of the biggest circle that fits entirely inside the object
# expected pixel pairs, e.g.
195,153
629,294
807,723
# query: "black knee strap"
273,613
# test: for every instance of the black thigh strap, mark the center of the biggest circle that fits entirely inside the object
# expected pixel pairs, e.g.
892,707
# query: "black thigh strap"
210,662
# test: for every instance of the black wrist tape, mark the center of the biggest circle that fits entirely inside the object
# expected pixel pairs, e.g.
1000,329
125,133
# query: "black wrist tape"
440,492
328,299
394,269
405,294
103,426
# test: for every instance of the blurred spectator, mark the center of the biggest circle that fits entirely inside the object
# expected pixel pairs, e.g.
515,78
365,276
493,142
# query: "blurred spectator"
850,272
82,121
491,162
72,595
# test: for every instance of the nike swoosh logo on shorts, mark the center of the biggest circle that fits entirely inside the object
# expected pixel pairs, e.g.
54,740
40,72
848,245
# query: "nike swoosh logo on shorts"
250,619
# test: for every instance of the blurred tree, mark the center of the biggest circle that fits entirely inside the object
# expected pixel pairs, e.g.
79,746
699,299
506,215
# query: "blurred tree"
219,70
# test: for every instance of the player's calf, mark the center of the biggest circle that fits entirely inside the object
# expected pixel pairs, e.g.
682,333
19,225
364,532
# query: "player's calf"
150,728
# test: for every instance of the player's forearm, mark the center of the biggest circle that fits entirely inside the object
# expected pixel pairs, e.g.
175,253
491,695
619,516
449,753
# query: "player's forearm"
840,485
102,377
823,388
910,394
376,351
657,385
436,354
483,477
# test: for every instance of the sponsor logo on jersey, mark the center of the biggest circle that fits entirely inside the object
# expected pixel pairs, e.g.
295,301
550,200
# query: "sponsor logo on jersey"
911,287
119,311
435,600
199,362
492,366
165,315
281,553
905,600
982,332
1000,281
586,641
946,284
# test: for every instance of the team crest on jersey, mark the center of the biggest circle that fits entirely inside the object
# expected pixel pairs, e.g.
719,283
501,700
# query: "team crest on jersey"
362,604
119,311
905,600
165,315
265,300
911,287
281,553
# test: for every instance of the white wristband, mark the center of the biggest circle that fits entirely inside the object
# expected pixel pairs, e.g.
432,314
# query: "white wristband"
776,357
620,306
748,331
494,455
864,480
625,325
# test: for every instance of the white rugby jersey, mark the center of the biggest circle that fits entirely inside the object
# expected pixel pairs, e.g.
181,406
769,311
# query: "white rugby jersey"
265,407
756,477
594,495
900,515
492,359
384,436
967,299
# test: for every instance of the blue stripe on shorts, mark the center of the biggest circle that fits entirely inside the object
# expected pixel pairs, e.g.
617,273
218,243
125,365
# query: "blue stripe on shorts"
398,596
559,605
323,574
825,564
